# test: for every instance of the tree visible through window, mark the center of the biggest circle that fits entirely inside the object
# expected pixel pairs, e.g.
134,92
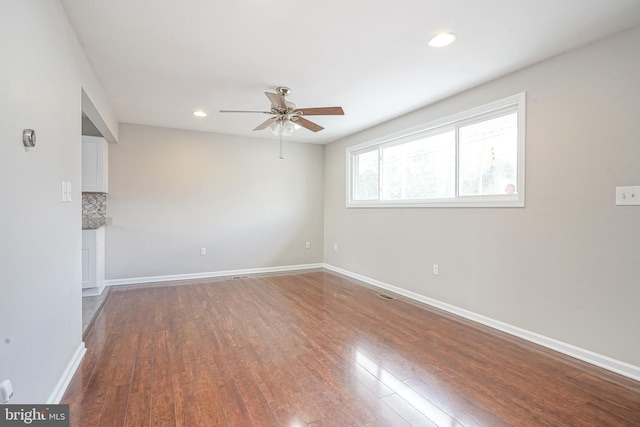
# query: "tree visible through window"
489,156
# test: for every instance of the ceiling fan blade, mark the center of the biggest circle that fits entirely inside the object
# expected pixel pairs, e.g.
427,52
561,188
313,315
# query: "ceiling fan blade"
277,100
322,111
266,124
308,124
245,111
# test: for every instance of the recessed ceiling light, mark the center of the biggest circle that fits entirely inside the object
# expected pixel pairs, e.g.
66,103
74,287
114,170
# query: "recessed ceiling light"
442,39
199,113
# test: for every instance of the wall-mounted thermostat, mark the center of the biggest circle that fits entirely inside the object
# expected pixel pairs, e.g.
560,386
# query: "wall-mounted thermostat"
29,137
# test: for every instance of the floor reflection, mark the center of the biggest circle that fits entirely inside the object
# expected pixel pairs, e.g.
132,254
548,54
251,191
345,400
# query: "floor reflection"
409,404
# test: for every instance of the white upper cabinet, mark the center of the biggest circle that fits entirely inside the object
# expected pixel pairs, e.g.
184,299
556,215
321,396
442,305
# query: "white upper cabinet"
95,164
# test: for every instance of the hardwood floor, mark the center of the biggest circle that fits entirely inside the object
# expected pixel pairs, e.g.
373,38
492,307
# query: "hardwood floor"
316,349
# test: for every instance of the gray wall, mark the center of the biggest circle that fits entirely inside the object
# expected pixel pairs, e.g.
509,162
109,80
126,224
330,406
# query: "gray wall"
172,192
566,266
41,79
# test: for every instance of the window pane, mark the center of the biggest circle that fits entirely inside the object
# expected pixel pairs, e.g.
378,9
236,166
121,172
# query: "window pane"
420,169
366,175
489,157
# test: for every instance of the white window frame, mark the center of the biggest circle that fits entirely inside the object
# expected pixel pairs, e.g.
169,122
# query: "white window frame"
494,109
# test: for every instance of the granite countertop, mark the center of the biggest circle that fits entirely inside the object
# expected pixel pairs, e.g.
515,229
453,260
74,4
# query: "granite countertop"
93,224
94,210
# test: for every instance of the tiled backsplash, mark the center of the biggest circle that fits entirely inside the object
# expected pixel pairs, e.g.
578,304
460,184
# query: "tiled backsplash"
94,210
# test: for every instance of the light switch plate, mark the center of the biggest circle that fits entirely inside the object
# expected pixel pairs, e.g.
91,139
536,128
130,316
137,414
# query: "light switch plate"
65,191
628,196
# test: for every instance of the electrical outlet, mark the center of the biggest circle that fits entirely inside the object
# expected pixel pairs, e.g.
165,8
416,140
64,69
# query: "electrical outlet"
335,246
628,196
203,251
436,269
307,245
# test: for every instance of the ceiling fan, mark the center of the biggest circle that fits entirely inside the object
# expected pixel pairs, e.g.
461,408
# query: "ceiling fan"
286,116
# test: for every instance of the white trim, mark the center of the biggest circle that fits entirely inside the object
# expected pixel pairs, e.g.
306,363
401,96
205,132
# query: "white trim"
91,292
492,201
207,275
519,99
61,387
602,361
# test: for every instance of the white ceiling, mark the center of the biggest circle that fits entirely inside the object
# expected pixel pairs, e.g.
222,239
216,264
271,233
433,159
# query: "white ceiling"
159,60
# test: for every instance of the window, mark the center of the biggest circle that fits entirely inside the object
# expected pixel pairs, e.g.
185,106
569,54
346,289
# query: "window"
475,158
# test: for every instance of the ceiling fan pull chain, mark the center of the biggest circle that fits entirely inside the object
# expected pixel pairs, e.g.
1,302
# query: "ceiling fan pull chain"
281,156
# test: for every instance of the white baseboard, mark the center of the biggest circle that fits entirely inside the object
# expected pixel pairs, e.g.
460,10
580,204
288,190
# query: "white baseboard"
605,362
208,275
92,292
58,391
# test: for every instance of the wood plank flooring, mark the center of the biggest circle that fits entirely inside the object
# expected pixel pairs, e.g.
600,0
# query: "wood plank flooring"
316,349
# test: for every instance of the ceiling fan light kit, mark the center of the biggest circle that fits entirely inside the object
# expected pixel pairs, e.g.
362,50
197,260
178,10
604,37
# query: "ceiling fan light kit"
285,128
